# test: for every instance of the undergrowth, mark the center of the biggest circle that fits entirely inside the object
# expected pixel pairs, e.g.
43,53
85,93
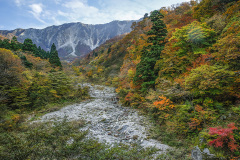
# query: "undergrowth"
62,140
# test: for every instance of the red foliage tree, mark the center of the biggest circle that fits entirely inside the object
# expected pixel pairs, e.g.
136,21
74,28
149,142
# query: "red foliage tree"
225,137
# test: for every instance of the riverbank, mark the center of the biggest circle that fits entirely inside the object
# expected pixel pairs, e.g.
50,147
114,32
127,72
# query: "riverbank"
98,128
107,121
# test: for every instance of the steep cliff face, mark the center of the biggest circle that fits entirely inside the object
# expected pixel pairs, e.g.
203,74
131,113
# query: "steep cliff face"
72,39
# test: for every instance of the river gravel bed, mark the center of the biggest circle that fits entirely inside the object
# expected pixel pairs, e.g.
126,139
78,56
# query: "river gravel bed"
108,121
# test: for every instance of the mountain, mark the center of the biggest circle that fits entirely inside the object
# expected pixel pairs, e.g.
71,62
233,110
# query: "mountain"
72,39
2,37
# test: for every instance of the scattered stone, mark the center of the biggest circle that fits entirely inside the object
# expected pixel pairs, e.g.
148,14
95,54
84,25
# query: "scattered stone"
223,117
135,137
103,120
196,153
207,154
229,115
123,128
108,122
206,151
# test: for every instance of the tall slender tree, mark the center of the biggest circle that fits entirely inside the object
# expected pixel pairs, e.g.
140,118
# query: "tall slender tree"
54,59
14,44
145,72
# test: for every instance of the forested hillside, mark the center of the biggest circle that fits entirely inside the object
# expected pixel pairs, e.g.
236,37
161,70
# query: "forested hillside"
181,66
30,79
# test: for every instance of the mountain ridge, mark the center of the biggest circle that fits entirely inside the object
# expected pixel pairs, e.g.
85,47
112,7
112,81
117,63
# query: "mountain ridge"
72,39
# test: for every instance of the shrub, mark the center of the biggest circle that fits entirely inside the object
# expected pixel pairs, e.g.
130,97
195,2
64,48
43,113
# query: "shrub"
226,139
63,140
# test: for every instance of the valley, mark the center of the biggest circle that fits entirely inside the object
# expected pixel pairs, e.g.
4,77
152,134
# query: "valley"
164,87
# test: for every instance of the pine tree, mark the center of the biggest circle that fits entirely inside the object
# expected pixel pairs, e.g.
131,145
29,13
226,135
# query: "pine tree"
145,73
15,44
29,46
1,45
54,59
145,16
6,44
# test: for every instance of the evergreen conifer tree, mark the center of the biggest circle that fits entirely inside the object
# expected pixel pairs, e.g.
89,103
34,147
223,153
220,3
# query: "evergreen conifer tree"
14,44
6,44
145,73
54,59
1,45
28,45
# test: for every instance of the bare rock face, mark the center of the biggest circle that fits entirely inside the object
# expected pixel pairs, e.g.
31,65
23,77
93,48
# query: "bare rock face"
72,39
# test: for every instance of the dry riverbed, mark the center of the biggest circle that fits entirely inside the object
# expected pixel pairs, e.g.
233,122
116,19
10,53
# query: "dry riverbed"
108,121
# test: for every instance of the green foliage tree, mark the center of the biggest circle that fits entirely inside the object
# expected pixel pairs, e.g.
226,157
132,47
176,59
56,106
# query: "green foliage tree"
15,45
109,50
10,68
145,16
210,82
227,46
207,8
39,91
28,45
145,73
204,9
194,38
61,84
10,78
1,46
18,97
184,47
26,62
6,44
54,59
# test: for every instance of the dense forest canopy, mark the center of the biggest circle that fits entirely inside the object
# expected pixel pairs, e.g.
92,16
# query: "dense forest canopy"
31,77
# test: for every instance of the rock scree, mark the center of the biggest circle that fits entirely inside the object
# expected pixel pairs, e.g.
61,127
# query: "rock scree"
108,121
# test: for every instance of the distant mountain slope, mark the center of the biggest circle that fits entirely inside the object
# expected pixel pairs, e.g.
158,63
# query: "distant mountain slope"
74,39
2,37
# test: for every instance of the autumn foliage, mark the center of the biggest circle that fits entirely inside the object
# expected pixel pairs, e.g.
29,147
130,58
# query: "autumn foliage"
188,79
29,82
225,138
164,104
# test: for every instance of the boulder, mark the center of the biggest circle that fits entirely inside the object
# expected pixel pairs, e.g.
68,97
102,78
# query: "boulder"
197,154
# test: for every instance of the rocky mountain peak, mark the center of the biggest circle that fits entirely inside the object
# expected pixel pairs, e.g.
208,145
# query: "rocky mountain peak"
72,39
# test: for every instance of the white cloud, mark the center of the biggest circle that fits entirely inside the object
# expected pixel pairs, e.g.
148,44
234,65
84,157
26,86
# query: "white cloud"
21,3
78,9
109,10
75,4
36,10
56,12
18,2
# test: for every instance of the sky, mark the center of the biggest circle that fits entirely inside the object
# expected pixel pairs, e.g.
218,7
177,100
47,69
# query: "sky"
42,13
